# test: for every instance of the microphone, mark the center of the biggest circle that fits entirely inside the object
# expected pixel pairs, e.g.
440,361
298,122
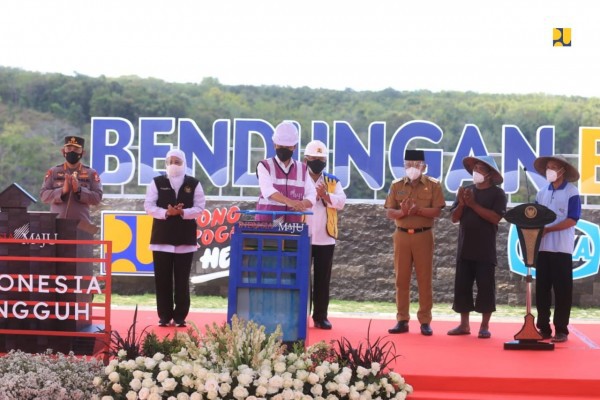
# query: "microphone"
527,185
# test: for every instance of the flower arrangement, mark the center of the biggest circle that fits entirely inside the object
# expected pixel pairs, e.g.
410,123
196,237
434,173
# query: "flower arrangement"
242,362
25,376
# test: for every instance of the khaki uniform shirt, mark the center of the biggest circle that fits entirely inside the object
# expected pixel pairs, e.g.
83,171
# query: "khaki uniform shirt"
427,193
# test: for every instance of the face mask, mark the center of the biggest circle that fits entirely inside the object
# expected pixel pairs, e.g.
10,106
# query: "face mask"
478,178
175,170
413,173
284,154
72,157
551,175
316,166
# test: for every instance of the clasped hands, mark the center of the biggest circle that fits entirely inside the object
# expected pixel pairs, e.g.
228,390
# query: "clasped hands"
175,210
71,183
466,197
409,206
322,192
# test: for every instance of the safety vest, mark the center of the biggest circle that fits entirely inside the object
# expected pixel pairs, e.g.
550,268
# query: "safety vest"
332,217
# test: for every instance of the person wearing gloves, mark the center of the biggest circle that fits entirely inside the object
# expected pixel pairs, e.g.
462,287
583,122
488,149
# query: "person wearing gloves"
284,182
478,208
174,200
554,267
323,226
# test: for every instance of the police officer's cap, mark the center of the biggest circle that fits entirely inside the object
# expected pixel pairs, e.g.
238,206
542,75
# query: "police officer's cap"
74,141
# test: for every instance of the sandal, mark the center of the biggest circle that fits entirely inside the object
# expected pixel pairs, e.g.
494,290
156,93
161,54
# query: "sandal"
484,334
458,331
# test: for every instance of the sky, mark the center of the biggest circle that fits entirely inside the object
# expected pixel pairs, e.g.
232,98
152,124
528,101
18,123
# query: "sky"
437,45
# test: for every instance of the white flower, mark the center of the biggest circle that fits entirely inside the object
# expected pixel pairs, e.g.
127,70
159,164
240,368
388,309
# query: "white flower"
279,367
107,398
312,378
122,353
154,396
131,395
275,383
261,391
144,393
183,396
162,375
98,381
244,379
158,356
137,374
109,368
375,368
224,389
148,383
117,388
240,392
169,384
114,376
361,372
176,371
135,384
149,363
196,396
317,390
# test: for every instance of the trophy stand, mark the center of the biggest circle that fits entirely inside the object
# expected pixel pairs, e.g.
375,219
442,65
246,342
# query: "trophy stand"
529,219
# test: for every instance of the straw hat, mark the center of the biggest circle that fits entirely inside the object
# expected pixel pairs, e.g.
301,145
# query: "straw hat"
571,173
469,163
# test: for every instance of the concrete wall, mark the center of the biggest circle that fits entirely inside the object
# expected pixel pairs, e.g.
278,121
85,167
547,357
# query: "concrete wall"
363,263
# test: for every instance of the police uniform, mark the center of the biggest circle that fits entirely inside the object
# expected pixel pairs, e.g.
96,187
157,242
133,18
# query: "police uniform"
413,243
72,205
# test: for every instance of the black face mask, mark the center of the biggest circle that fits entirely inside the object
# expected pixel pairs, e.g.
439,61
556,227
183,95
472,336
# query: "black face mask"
316,166
72,157
284,154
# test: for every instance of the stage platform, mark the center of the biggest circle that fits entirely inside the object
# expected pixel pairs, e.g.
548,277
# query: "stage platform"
455,367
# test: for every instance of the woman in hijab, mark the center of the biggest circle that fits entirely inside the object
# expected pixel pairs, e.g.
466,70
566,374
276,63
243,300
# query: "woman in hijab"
175,200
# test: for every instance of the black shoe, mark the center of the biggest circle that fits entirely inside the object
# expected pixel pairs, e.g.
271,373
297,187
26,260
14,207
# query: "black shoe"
560,338
426,330
401,327
163,323
546,335
324,324
180,324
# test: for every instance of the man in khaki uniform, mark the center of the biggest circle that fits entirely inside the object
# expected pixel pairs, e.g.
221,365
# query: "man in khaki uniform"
412,203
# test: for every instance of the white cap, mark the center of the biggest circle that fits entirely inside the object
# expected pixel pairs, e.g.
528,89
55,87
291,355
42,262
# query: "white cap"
286,134
316,148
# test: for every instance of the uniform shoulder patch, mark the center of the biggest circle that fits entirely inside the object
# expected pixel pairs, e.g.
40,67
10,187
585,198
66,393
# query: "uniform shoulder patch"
432,179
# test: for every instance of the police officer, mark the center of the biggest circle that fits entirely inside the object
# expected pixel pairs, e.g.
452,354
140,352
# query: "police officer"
412,203
71,187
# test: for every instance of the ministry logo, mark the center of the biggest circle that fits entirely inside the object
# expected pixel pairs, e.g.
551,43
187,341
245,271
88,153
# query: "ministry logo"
561,37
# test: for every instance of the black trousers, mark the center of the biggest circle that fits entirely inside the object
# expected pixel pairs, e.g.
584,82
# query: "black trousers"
483,274
554,273
322,265
172,281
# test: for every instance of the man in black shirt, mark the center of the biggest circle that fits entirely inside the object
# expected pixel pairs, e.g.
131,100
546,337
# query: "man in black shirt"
478,208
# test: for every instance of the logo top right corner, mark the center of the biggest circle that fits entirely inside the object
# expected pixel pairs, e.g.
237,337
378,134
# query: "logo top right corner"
561,37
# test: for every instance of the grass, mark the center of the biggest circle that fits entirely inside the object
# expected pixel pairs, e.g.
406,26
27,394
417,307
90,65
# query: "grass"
345,306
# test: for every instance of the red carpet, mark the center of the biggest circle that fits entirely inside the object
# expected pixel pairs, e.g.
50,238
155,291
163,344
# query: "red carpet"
458,367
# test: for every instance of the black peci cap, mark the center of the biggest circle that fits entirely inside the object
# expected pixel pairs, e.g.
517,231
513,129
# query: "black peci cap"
414,155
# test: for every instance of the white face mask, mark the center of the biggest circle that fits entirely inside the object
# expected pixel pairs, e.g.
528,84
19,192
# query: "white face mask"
175,170
413,173
478,178
551,175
